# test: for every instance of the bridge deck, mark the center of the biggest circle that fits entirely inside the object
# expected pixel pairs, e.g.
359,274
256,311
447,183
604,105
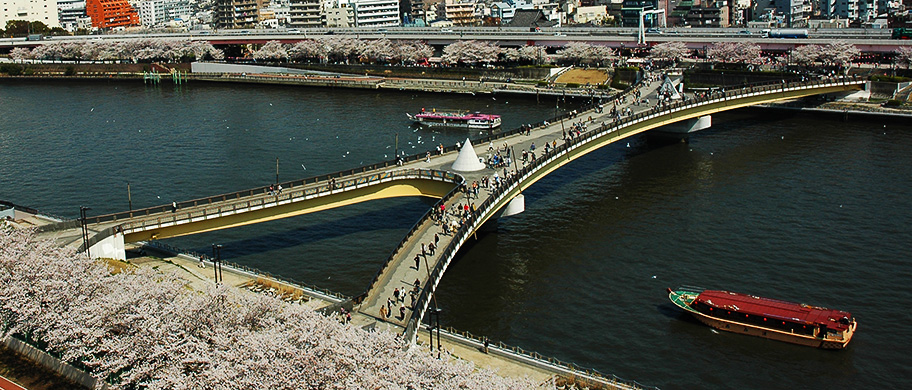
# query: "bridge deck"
400,272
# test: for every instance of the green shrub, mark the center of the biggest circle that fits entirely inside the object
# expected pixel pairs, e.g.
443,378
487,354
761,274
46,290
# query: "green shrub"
11,69
573,85
893,103
890,79
542,83
618,84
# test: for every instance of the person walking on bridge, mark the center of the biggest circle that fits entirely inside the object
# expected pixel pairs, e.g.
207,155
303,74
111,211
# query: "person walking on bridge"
417,262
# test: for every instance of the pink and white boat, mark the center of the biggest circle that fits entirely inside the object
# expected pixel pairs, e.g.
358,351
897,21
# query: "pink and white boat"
456,118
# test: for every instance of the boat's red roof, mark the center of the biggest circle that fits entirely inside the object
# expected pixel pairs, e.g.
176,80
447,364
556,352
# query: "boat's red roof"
774,308
457,116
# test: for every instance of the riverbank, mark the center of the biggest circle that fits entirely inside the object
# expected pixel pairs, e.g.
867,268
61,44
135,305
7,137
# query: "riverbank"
844,109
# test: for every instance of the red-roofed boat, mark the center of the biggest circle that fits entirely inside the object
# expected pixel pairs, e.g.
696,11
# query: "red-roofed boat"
456,118
791,322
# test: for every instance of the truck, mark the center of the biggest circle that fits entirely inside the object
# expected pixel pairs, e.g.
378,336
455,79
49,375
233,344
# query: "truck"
786,33
902,33
34,37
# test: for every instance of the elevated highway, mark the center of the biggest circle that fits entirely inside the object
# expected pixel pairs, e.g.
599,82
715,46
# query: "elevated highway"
867,40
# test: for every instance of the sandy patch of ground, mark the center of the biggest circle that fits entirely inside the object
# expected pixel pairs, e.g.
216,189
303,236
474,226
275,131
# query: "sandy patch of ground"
583,76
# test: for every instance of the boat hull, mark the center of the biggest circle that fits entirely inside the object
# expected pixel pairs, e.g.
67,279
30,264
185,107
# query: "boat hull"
752,330
684,298
460,124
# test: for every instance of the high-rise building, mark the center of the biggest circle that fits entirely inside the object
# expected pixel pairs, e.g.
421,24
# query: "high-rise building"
44,11
70,12
111,13
236,14
158,12
461,12
305,13
376,13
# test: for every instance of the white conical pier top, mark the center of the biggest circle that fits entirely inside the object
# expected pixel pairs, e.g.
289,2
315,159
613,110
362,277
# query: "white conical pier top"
467,160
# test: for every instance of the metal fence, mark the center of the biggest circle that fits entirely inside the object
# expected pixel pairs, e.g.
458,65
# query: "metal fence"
538,359
251,271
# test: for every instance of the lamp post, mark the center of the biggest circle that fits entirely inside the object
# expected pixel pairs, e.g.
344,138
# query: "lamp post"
217,262
85,228
436,312
129,197
277,171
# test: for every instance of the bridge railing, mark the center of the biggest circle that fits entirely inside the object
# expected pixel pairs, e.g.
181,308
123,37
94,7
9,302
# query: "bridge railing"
468,226
326,179
295,193
521,174
459,181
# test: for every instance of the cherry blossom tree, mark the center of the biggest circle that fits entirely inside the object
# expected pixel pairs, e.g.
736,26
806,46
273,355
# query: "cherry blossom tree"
510,54
576,52
411,52
272,51
806,55
378,50
838,53
20,54
342,49
533,53
903,56
731,52
140,328
471,52
309,49
670,51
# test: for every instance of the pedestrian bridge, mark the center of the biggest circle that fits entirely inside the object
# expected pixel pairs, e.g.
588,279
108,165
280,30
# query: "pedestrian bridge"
261,204
408,266
399,270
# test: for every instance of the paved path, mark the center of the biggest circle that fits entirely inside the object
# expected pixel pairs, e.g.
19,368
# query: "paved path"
6,384
401,273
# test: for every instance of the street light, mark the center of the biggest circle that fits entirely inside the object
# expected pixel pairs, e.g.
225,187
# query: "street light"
85,227
436,312
217,262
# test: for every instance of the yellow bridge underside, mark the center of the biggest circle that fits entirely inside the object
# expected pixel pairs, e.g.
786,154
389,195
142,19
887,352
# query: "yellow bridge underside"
392,189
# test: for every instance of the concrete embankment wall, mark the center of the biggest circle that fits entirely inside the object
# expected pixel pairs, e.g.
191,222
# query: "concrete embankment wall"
211,67
43,358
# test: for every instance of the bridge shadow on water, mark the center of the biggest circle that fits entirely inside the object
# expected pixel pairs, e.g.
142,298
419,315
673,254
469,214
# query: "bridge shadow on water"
366,218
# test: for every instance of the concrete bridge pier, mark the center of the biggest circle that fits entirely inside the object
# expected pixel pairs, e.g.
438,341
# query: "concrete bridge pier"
678,131
516,206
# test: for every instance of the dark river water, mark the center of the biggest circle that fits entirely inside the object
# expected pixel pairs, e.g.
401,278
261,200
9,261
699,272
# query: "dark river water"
804,208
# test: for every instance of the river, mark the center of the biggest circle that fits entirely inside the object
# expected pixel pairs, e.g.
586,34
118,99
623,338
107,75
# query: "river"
773,203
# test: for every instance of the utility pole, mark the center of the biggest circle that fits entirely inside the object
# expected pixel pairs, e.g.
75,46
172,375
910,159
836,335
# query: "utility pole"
277,171
129,197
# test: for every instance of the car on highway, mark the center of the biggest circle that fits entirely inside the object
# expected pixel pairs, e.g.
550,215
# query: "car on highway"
745,32
653,31
446,30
